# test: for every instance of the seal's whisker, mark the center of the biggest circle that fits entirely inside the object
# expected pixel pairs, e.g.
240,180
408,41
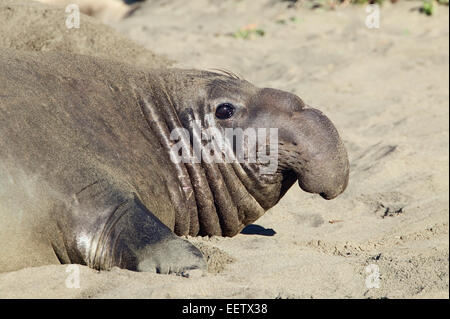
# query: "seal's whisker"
227,73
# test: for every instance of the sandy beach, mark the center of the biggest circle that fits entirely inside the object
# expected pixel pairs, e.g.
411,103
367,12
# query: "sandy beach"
386,90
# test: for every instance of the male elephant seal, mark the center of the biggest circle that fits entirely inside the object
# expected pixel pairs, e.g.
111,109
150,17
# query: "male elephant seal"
86,161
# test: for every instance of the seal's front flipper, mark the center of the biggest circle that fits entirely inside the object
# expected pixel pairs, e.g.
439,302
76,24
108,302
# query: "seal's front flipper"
137,240
107,227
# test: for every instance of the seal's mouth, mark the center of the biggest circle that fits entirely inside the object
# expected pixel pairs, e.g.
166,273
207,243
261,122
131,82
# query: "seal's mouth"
290,177
326,196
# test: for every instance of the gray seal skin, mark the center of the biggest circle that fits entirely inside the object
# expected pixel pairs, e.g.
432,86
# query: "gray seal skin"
85,169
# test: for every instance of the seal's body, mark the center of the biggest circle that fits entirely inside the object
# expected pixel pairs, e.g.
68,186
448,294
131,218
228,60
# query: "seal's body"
86,174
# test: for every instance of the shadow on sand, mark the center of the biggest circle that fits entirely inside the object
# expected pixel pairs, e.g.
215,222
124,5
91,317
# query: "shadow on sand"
258,230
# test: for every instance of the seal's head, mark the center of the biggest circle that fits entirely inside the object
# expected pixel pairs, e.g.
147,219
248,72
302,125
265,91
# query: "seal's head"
307,149
309,146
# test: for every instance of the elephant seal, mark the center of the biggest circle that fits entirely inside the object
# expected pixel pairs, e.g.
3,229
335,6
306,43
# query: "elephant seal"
87,173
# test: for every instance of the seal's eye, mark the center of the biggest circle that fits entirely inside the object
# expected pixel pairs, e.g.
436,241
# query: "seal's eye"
225,111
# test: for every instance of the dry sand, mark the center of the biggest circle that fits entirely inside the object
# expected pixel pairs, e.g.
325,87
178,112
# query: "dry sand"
31,26
387,92
104,10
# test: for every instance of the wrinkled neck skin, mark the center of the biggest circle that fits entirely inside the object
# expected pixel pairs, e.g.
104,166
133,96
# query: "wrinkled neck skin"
218,198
